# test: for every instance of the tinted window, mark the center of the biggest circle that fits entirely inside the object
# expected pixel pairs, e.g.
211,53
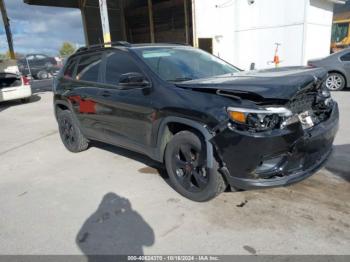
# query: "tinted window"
89,67
345,57
69,71
119,63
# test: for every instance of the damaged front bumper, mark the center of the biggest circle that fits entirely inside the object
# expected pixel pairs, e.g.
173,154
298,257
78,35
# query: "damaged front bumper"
275,158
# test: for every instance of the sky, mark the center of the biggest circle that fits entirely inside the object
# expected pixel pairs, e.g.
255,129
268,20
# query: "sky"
39,29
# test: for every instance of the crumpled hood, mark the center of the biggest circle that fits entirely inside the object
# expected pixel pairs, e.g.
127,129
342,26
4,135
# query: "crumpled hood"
280,83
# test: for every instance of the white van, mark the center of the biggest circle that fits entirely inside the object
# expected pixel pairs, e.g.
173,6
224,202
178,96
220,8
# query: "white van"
12,84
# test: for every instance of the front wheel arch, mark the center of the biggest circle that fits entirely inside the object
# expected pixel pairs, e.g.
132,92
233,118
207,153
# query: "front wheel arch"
166,132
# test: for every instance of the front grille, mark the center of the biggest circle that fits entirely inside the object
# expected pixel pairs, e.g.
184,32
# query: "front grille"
302,103
312,102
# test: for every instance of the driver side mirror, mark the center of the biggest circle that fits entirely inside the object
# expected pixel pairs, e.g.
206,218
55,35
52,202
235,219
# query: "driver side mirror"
133,80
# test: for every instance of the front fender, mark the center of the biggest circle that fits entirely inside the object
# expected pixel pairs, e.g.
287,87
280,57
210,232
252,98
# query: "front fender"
200,127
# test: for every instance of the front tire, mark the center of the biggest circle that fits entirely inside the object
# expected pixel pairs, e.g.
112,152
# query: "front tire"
185,162
70,133
335,82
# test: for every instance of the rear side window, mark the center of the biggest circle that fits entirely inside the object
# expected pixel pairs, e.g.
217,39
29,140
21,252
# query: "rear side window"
89,68
69,71
117,64
345,58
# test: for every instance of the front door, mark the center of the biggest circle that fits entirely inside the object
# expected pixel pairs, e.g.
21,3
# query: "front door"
126,114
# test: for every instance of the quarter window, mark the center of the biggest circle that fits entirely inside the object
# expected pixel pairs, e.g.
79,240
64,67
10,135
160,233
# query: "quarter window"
119,63
89,68
69,71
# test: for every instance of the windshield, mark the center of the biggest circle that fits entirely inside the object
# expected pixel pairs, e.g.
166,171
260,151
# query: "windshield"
177,64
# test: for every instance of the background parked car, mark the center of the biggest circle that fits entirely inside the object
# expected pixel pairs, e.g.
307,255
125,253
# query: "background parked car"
338,67
13,85
41,66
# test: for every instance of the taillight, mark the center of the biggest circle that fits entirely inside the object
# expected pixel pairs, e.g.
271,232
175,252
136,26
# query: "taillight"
25,81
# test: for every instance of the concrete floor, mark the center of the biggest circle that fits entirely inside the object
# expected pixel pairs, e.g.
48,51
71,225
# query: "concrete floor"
110,201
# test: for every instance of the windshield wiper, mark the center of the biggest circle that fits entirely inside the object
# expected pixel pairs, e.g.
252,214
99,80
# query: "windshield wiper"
180,79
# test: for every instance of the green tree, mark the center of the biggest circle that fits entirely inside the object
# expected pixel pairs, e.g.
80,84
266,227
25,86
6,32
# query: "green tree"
67,49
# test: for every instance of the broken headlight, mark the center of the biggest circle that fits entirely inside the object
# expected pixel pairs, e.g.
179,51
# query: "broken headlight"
258,120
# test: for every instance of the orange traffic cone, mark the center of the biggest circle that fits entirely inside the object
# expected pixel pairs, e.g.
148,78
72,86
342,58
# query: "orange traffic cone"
276,60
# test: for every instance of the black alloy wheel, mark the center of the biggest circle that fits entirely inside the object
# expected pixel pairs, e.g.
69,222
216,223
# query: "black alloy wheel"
185,161
70,133
189,167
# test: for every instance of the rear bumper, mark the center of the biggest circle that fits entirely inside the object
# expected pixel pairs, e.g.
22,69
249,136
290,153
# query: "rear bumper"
300,154
13,93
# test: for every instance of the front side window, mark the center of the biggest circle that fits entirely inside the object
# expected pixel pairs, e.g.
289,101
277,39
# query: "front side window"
177,64
117,64
89,68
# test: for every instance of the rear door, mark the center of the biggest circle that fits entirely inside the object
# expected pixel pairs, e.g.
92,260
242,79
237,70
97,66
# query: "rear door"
83,87
345,60
41,60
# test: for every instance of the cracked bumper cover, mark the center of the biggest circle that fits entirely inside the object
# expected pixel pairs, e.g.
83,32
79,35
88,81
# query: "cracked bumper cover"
300,153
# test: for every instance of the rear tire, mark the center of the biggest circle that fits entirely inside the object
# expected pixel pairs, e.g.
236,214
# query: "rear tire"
70,132
335,82
185,162
42,75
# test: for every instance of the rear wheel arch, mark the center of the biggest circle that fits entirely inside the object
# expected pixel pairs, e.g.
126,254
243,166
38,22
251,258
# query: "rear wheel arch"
61,105
173,125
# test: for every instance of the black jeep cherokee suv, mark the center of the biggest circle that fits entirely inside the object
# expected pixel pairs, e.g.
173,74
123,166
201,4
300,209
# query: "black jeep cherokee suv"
212,125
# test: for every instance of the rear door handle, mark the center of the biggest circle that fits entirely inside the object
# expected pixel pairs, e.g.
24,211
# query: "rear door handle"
106,93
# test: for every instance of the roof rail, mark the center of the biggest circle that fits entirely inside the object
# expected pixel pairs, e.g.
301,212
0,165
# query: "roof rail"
117,43
176,43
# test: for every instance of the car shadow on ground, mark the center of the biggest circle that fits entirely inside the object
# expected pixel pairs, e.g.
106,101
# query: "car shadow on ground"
41,86
339,161
7,104
152,165
114,229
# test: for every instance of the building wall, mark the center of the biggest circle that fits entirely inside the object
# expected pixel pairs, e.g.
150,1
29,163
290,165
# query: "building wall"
246,33
217,23
318,29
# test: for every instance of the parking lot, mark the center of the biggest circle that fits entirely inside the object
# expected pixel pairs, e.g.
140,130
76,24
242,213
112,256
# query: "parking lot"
108,200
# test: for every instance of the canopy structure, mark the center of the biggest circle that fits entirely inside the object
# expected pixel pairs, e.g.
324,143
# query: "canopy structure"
132,20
